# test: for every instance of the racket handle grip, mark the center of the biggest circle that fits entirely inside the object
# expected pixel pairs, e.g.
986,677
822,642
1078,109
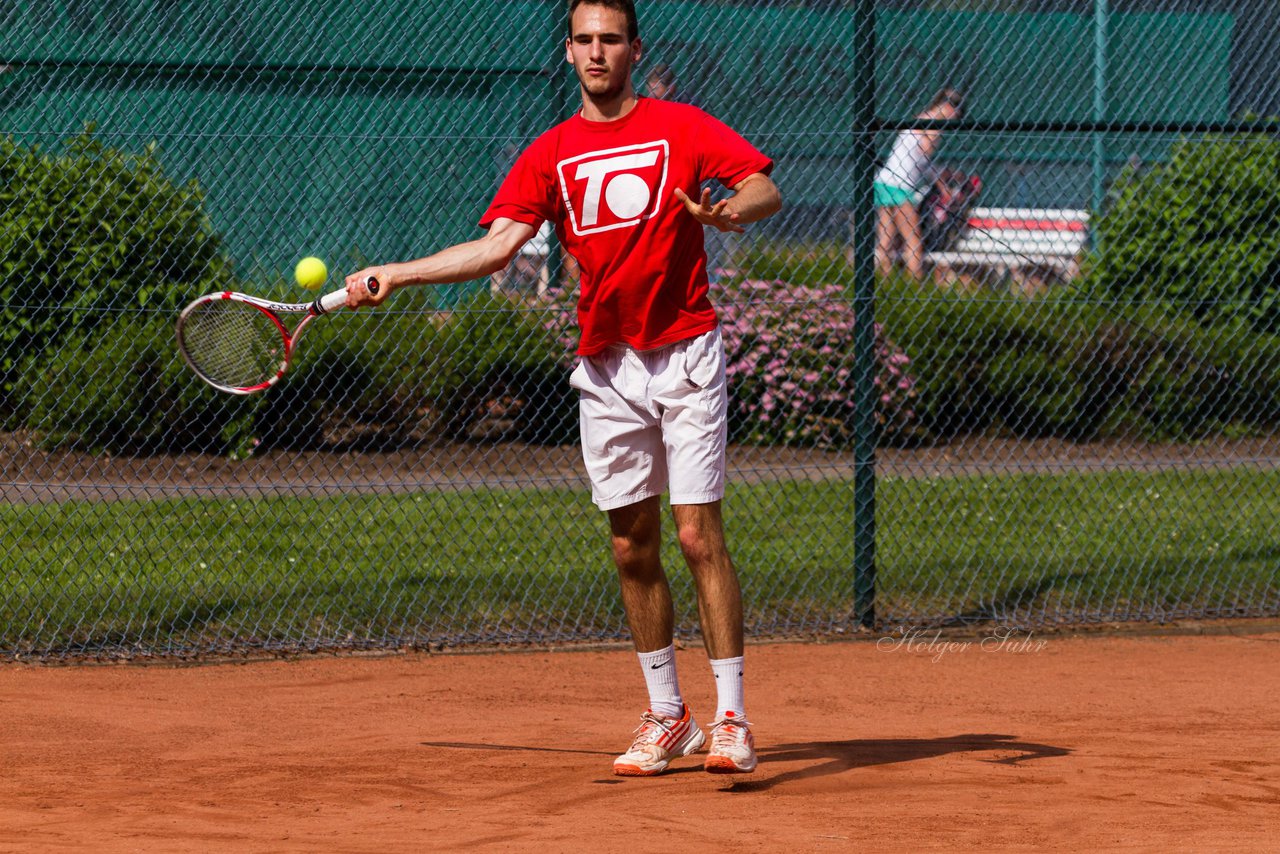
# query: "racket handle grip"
332,300
338,298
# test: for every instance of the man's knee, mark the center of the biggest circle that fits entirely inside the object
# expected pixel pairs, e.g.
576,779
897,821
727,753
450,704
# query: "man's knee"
634,555
635,533
701,538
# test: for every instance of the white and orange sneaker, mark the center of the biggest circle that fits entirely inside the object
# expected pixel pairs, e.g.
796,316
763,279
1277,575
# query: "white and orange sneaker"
733,748
659,740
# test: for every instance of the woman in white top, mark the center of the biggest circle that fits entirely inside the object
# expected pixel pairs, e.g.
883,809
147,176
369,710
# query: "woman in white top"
899,183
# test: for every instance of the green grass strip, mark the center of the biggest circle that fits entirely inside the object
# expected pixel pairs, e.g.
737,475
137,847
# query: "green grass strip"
533,564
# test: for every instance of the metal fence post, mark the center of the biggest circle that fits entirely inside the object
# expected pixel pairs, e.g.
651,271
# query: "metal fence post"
1101,21
863,237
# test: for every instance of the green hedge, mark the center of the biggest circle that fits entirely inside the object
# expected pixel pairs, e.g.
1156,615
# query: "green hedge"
489,370
124,389
88,231
495,369
1065,365
1200,233
386,379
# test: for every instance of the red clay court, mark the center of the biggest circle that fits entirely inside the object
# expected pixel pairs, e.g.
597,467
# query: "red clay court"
1101,742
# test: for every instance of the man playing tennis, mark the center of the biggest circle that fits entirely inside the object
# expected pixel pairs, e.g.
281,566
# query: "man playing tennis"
620,181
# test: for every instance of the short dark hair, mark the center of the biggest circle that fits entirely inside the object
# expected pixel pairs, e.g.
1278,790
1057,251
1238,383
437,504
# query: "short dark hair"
626,7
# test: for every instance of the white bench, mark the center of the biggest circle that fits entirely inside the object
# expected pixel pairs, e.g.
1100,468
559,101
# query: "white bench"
1028,247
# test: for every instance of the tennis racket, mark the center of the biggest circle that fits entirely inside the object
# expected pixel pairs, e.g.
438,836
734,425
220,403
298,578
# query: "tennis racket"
241,344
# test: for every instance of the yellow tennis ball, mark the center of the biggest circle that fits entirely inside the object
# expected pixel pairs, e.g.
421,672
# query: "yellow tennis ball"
311,273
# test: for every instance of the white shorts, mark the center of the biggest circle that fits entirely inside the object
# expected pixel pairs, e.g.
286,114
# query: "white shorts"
654,419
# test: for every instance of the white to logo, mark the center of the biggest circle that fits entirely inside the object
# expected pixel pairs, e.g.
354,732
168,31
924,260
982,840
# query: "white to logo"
615,188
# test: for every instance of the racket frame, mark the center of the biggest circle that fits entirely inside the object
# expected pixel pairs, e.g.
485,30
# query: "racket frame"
273,311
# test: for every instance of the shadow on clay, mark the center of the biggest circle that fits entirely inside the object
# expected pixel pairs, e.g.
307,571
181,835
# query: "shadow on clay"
824,758
835,757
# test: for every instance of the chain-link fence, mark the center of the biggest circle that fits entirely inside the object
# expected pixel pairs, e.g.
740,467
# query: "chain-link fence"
1011,354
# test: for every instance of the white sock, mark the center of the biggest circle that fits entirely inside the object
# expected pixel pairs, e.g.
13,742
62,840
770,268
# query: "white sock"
728,672
664,688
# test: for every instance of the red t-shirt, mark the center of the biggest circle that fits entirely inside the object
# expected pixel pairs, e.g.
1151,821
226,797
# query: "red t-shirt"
609,188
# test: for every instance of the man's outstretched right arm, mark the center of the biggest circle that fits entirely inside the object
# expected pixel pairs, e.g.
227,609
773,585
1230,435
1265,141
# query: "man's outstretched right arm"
460,263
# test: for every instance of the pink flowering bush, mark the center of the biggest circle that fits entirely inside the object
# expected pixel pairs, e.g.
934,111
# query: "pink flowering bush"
790,364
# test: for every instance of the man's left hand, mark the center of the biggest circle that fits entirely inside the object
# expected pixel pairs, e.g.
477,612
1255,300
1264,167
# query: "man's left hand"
715,215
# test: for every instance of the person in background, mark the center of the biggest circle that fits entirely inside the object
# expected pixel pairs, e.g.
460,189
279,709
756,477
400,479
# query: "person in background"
898,188
661,83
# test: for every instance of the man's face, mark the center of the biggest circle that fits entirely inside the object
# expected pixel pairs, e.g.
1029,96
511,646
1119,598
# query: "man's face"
600,52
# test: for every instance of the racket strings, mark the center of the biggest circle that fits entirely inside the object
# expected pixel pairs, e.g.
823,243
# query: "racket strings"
233,344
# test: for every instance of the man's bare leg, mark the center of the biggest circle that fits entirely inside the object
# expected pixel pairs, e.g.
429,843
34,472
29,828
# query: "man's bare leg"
668,731
700,528
636,531
701,531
